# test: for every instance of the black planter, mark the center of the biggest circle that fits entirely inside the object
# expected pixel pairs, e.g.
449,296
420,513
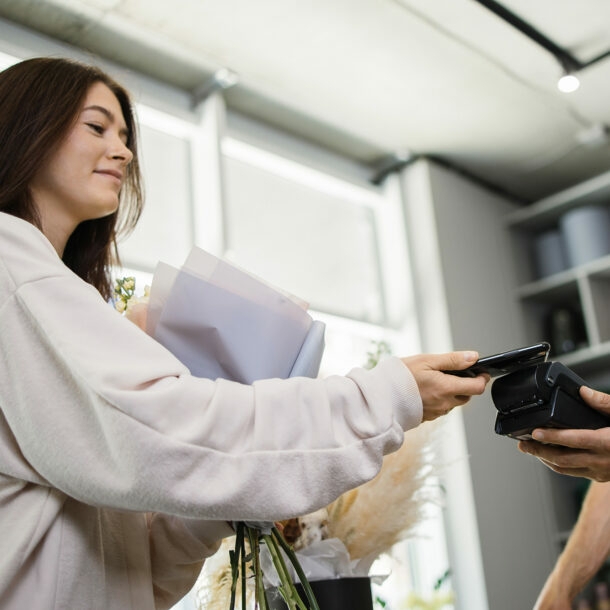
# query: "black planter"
336,594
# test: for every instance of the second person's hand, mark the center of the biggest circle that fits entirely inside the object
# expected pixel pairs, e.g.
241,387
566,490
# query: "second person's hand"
578,453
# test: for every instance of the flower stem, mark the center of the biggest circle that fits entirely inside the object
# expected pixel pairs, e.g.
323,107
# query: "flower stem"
286,586
243,573
235,556
260,598
276,545
309,594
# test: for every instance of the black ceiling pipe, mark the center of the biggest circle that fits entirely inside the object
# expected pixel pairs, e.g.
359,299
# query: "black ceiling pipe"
565,58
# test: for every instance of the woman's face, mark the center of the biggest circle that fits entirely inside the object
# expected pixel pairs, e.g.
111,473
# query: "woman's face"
83,178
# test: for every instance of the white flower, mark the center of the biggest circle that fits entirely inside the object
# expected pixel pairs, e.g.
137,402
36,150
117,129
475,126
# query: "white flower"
125,294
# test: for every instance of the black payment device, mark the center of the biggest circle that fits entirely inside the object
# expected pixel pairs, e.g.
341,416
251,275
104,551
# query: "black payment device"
530,392
544,395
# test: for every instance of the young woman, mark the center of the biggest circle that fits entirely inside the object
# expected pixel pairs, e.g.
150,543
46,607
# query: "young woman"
118,469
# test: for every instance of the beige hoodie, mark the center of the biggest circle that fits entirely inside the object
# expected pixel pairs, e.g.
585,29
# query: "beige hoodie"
119,470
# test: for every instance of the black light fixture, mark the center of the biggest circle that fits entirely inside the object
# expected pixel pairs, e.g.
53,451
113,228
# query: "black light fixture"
570,64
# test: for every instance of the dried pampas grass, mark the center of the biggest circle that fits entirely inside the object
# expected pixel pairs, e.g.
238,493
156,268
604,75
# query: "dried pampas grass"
213,587
372,518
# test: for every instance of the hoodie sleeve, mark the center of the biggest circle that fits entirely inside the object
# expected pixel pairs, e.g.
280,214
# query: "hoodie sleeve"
105,414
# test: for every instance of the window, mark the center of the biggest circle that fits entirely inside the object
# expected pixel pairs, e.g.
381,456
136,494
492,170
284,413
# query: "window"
310,233
165,230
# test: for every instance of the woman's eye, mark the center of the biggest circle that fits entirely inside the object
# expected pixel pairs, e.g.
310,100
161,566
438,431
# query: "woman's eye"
99,129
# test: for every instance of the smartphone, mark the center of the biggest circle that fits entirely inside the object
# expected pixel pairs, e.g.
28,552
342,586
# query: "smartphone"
507,362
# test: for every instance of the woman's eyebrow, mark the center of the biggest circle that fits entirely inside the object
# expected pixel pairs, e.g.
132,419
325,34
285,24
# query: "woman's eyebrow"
108,114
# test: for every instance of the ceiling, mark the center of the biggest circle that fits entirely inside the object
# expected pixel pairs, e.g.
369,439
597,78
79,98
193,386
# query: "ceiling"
447,79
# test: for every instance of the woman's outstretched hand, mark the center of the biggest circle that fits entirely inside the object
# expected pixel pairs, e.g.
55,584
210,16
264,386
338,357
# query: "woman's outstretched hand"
441,392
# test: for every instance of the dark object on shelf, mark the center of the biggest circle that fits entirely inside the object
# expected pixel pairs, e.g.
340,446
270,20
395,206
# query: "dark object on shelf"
336,594
586,233
549,253
542,396
566,330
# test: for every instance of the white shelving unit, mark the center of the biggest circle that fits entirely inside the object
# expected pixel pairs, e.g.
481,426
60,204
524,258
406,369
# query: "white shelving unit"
585,289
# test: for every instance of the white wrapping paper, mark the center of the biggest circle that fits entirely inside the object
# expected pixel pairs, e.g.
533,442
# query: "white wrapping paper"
222,322
322,560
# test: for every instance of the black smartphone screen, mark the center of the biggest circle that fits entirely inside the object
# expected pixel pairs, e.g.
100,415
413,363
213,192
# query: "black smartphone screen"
507,362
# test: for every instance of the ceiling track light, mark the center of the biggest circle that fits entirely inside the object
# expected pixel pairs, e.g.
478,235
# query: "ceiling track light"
568,82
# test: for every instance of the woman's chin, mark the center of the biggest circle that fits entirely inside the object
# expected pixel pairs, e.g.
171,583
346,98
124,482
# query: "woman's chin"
104,210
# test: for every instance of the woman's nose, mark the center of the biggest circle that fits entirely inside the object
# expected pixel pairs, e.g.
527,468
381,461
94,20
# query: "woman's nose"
121,151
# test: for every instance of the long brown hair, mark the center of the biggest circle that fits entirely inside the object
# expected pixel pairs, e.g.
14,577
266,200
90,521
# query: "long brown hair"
40,100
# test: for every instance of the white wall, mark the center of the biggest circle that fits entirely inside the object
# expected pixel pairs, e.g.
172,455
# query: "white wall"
503,496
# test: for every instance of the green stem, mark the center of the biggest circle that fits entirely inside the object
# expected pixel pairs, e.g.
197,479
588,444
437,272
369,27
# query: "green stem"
311,598
287,589
275,544
259,586
243,574
235,559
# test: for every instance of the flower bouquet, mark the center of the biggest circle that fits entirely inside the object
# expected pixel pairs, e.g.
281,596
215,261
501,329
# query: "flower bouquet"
343,540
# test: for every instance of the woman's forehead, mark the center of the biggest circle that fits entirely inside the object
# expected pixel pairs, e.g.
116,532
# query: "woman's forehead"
101,98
